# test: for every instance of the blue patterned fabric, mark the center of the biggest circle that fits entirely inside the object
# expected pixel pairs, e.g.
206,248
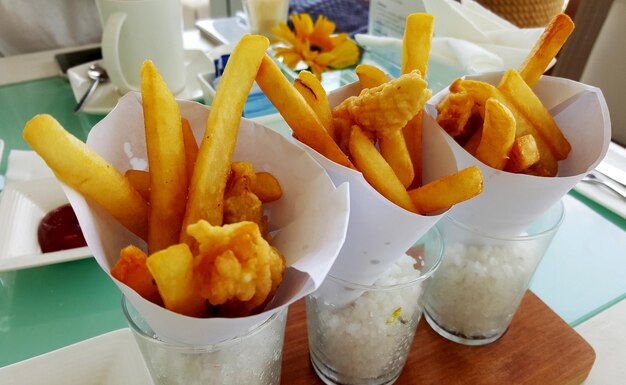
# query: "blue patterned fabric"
349,15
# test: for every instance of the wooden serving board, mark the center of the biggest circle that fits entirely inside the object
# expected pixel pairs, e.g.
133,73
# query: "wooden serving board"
538,348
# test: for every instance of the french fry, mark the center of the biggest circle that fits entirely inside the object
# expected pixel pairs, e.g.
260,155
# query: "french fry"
140,180
370,76
377,171
447,191
297,113
86,171
472,144
166,159
266,187
392,145
523,154
393,148
132,270
546,48
206,191
191,148
497,137
480,92
172,269
412,133
314,94
416,44
522,96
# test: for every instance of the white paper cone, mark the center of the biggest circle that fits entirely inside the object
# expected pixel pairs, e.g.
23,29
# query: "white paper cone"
310,219
380,231
510,202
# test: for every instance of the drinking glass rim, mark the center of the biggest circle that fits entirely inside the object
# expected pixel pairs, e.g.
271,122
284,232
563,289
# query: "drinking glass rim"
423,276
195,348
551,229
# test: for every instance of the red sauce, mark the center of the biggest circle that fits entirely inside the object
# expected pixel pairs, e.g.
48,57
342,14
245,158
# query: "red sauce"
59,230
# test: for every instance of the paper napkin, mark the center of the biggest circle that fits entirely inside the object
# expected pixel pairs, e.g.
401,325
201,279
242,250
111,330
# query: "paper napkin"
468,37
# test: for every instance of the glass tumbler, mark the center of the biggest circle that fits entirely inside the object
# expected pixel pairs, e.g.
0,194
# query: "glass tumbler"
252,358
482,279
362,334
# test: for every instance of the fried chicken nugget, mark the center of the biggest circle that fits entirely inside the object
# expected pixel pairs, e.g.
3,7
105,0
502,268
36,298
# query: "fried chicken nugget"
390,106
236,265
240,202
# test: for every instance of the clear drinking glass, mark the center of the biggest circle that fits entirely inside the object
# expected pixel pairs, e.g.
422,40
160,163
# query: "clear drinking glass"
482,279
263,15
252,358
366,339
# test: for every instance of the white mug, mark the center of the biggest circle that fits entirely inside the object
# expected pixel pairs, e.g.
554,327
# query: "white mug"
138,30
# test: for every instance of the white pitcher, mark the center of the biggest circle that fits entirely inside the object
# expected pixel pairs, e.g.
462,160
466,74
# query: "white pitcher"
138,30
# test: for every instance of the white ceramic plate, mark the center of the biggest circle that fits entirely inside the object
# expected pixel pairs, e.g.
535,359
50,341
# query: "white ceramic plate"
614,159
105,97
108,359
22,206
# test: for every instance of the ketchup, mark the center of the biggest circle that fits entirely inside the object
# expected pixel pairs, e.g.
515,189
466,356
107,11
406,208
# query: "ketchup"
59,230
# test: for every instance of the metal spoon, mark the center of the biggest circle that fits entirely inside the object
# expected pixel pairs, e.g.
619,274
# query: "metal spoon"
98,75
593,179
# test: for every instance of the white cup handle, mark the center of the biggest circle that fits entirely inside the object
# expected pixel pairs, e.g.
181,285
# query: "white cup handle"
110,49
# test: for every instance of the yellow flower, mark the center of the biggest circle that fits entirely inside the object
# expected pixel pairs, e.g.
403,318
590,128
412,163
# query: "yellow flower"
315,44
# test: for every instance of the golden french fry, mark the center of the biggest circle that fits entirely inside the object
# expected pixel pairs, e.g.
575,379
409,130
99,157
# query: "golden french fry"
132,270
140,180
266,187
206,191
522,96
314,94
523,154
472,144
297,113
546,48
448,191
191,148
480,92
172,269
86,171
416,43
166,159
412,133
498,134
370,76
343,125
394,149
377,171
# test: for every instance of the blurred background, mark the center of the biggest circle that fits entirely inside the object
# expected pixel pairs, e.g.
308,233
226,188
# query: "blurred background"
594,54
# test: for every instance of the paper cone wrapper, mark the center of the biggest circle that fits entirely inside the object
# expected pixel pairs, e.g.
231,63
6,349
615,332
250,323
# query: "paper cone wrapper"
380,231
511,202
310,220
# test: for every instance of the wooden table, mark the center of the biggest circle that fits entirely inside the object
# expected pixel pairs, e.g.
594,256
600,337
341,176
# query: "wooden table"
538,348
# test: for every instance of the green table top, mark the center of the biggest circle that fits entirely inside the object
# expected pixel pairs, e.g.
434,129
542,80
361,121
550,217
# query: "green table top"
46,308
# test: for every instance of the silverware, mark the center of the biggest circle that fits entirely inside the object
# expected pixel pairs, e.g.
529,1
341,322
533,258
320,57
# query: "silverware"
607,183
98,75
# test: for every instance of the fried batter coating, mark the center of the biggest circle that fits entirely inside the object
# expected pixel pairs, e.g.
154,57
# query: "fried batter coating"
236,265
454,112
240,203
389,106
